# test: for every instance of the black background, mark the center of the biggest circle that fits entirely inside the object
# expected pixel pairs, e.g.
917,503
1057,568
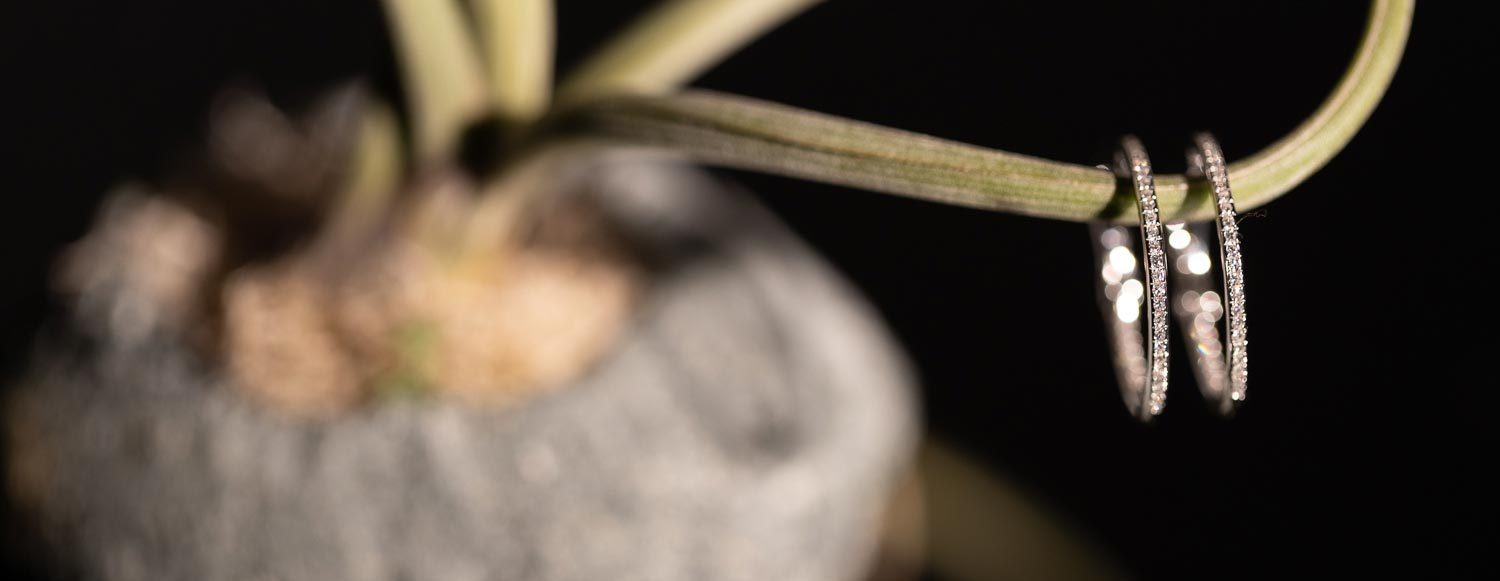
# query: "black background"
1368,438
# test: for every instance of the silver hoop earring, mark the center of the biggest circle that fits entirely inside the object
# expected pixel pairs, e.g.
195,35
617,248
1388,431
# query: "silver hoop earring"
1207,306
1133,290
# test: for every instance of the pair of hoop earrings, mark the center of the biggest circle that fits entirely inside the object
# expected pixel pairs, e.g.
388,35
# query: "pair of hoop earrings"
1134,286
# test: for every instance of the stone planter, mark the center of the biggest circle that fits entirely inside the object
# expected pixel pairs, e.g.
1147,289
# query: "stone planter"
748,425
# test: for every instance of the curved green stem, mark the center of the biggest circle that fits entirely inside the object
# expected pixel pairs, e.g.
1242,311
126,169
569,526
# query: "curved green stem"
740,132
673,43
1286,163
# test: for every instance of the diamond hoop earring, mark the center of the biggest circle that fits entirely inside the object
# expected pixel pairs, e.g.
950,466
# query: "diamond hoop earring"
1203,313
1133,290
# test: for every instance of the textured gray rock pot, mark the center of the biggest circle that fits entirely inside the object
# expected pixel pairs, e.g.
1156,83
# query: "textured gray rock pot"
747,426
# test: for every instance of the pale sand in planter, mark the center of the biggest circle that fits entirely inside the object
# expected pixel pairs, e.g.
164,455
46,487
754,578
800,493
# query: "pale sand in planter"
747,425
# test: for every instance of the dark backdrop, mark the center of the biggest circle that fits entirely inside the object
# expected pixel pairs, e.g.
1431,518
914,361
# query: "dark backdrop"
1368,436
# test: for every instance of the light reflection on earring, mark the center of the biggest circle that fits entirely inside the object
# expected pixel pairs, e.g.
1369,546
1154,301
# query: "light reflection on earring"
1210,307
1133,290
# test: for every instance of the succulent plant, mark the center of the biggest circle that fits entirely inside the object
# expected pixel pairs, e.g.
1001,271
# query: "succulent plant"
407,260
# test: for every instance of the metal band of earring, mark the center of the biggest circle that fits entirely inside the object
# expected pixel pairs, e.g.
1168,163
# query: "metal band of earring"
1133,293
1207,306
